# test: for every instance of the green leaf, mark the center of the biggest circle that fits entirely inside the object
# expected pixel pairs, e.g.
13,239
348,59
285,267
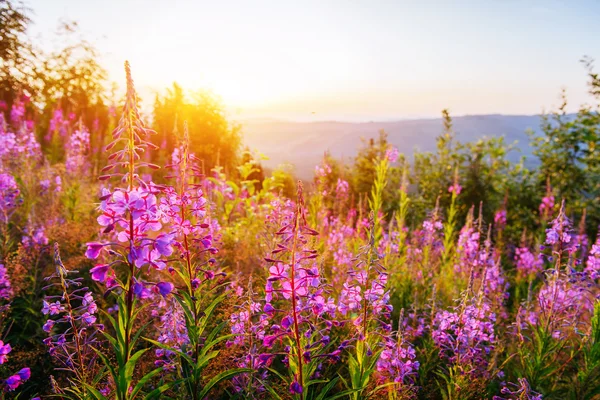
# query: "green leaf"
274,394
130,366
138,333
95,393
161,389
174,350
222,376
344,394
107,363
327,388
140,385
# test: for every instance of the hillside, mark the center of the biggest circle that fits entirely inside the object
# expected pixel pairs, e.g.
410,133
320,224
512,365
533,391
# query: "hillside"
303,143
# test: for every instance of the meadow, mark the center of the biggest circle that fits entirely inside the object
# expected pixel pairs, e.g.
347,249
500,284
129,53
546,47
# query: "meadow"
130,270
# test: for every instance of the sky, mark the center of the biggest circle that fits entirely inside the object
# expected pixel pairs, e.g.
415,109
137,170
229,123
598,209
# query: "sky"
354,60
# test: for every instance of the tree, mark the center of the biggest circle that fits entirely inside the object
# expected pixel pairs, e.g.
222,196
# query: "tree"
568,152
17,56
213,138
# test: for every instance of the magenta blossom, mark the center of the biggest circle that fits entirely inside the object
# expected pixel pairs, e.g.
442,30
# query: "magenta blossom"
165,288
100,272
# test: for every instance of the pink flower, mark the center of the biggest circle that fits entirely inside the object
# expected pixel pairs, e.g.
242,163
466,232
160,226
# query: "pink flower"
392,155
93,250
4,350
165,288
13,382
455,188
100,272
48,325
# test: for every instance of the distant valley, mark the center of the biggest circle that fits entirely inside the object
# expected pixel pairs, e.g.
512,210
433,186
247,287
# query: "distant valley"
303,143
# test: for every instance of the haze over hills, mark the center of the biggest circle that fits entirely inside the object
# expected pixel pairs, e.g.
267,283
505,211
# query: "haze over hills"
303,143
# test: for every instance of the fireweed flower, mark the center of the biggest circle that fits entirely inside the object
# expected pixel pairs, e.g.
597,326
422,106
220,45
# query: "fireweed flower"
131,218
281,212
592,265
172,332
186,248
77,149
5,285
466,336
365,297
20,147
528,264
392,154
192,235
17,112
455,188
339,241
468,247
5,349
520,391
426,246
564,303
296,302
566,298
341,189
34,237
59,125
397,361
500,218
9,197
14,381
248,323
547,205
71,325
365,302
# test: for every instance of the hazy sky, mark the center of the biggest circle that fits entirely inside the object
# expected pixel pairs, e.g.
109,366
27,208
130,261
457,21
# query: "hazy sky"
353,60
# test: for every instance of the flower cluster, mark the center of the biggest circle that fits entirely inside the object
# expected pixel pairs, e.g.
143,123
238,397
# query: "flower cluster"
295,301
466,336
34,237
130,216
527,263
77,149
9,196
518,391
547,205
397,362
6,291
392,155
592,266
468,248
72,326
364,297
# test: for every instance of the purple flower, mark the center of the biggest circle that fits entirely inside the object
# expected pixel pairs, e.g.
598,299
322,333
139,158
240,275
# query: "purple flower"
16,380
165,288
52,308
286,322
455,189
77,148
93,250
13,382
295,388
4,350
48,325
163,244
24,373
392,155
100,272
140,290
88,318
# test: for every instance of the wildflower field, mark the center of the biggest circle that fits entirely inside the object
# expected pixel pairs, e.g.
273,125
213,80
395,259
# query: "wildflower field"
133,272
154,257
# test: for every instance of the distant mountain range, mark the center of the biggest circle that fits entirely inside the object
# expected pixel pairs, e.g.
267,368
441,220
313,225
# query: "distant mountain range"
303,143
